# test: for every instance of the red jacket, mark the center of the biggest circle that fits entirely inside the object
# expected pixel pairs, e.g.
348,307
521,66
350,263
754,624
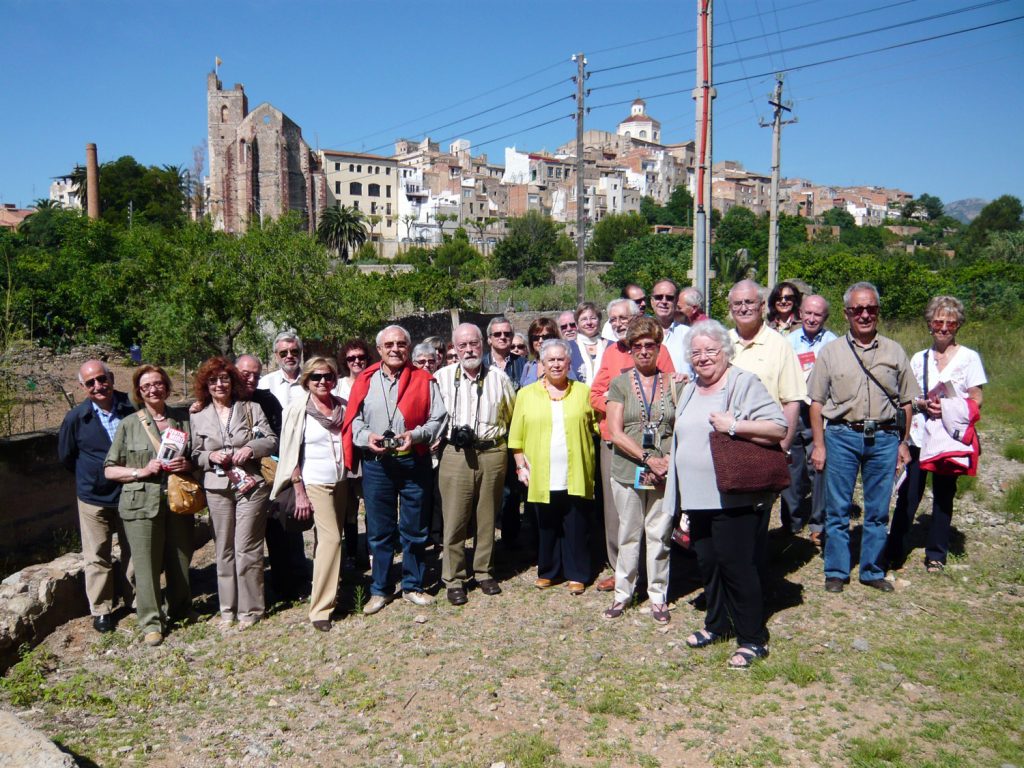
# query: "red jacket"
413,403
617,360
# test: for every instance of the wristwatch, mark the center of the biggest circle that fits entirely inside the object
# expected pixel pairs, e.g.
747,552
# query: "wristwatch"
135,474
644,457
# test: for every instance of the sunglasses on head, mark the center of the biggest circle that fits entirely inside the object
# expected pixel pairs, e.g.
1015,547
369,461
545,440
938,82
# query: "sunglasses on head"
101,379
318,377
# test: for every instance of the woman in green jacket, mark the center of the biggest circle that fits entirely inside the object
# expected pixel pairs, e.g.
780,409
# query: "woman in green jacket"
552,440
161,542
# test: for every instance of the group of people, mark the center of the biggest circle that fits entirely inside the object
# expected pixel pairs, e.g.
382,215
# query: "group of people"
605,432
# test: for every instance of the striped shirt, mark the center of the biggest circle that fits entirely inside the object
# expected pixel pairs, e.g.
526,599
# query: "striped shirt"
108,419
486,409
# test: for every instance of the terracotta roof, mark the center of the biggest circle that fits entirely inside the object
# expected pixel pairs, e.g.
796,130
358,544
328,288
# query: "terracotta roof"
641,119
337,153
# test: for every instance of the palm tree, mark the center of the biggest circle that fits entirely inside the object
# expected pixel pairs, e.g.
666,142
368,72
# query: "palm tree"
44,203
732,267
342,228
374,219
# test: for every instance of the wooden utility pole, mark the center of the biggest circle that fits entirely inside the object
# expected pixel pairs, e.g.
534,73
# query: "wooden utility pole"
773,226
704,94
581,219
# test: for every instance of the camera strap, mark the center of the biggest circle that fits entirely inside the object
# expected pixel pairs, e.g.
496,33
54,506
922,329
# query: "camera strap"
892,400
479,397
384,393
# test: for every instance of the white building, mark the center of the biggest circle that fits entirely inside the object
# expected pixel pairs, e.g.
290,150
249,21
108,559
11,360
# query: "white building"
62,190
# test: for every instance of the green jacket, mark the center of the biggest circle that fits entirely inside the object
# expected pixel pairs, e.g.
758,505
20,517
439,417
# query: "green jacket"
530,432
141,499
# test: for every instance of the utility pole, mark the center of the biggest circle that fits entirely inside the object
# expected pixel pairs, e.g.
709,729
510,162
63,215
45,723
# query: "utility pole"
773,227
704,94
581,219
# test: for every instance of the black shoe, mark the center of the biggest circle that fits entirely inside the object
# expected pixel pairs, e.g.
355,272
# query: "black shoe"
457,596
103,624
834,585
489,587
880,584
322,625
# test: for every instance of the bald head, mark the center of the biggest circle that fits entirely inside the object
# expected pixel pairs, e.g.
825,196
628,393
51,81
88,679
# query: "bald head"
469,346
250,368
813,314
97,382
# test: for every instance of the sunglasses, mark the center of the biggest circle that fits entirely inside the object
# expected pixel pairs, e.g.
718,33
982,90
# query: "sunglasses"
664,297
543,337
355,359
937,325
316,378
567,326
423,361
502,334
644,346
519,345
282,353
101,379
784,300
870,309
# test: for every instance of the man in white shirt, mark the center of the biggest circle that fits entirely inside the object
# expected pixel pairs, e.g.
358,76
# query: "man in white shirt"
479,400
663,298
284,382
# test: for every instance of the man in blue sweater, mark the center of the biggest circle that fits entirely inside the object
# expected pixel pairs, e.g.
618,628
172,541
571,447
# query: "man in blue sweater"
85,438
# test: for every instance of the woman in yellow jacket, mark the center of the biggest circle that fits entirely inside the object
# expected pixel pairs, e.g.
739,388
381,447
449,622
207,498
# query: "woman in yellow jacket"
552,440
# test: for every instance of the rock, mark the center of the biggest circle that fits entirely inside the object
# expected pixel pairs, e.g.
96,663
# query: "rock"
23,747
860,644
502,765
37,600
420,619
886,666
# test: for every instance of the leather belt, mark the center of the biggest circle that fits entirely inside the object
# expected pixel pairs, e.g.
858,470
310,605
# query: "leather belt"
885,426
486,445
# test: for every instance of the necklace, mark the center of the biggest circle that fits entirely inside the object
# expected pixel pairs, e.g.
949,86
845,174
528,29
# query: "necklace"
563,392
158,416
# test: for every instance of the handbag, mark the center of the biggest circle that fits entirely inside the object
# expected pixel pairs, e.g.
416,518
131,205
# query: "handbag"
184,495
282,509
268,464
742,466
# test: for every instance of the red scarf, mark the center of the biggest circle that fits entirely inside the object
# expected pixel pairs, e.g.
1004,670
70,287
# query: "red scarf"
413,403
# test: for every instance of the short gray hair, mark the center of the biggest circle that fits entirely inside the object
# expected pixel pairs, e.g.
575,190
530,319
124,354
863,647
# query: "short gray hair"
499,320
711,329
255,359
287,336
382,331
551,344
424,348
945,304
633,308
747,284
106,370
692,297
861,286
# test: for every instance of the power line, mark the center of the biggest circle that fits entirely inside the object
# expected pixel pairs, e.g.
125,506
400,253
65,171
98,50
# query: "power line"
822,62
808,25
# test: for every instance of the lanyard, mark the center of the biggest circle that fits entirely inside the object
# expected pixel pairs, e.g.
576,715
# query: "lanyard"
387,411
481,374
648,406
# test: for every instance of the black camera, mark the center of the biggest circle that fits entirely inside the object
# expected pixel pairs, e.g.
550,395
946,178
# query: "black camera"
462,437
870,428
388,441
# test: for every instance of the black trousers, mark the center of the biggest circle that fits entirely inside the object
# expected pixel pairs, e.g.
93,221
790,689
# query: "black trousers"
562,538
897,546
286,553
725,541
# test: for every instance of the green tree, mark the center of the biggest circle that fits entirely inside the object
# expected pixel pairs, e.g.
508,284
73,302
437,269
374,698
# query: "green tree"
341,229
838,217
680,207
649,258
1001,215
529,250
132,193
742,228
612,231
931,205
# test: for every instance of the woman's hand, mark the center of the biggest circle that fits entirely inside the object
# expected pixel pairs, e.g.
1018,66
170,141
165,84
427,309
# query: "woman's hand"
303,509
242,455
179,464
151,469
933,408
223,458
658,465
721,421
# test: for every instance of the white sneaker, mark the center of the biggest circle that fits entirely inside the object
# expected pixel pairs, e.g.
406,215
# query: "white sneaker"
374,604
418,598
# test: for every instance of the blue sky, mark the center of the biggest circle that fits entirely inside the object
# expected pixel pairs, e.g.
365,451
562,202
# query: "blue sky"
942,117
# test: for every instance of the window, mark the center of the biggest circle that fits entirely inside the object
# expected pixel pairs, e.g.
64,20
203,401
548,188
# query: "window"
389,220
388,191
337,187
351,168
337,166
387,171
377,169
359,169
388,211
355,188
223,115
355,204
643,134
373,190
373,207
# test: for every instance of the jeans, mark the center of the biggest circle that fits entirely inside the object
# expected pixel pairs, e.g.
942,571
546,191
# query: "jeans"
385,482
846,454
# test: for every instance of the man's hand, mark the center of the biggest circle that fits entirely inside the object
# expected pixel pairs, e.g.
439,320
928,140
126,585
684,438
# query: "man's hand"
404,442
374,443
151,469
818,457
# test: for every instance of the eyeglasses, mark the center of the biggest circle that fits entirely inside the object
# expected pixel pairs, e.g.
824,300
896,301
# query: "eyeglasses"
292,352
543,337
502,334
519,347
870,309
355,359
788,299
101,379
567,326
701,354
316,378
223,378
937,325
644,346
744,303
150,387
641,301
664,297
421,362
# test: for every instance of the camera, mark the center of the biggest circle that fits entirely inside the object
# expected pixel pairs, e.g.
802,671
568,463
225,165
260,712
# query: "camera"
870,428
388,441
462,437
649,439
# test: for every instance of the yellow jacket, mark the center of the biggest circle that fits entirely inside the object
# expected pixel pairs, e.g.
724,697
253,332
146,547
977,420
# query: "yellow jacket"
530,433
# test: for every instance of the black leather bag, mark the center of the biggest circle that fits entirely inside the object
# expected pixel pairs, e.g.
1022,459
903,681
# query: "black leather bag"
282,509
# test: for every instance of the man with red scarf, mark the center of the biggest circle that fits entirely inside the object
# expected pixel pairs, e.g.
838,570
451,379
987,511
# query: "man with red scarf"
394,414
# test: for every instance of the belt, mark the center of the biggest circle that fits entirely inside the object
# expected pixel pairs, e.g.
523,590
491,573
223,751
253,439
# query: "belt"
486,445
885,426
369,455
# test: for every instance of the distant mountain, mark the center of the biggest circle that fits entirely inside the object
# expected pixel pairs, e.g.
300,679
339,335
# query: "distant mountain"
965,210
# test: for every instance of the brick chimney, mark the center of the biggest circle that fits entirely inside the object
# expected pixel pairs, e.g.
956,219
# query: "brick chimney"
92,181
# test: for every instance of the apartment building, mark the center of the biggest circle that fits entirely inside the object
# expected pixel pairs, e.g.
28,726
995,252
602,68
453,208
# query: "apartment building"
368,183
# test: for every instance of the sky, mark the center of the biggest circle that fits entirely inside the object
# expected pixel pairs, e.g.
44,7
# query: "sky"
941,117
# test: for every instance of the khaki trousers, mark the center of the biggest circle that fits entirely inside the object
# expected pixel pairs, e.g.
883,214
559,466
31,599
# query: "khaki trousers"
329,504
161,544
239,528
611,512
471,483
642,517
103,577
